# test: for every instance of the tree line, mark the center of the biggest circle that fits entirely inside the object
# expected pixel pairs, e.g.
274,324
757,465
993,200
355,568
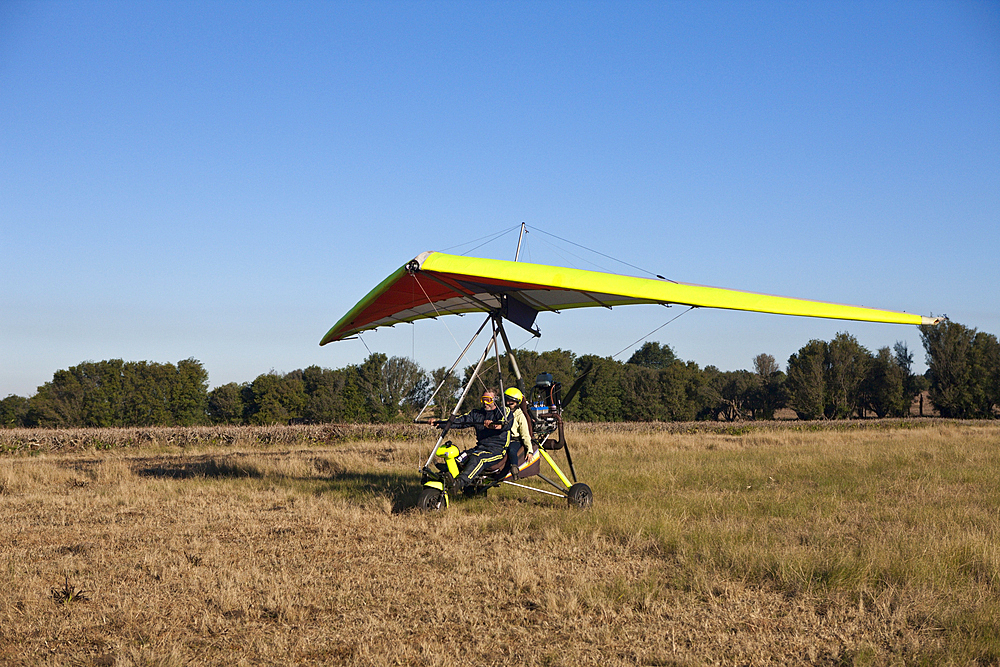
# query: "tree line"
835,379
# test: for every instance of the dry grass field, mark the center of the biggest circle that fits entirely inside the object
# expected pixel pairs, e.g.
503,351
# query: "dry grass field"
870,544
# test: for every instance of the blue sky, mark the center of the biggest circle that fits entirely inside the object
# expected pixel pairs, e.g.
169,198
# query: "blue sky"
224,180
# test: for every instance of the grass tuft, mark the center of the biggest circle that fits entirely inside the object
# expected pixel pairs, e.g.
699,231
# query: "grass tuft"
68,593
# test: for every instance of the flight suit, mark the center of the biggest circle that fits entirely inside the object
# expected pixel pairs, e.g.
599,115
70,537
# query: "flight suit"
491,442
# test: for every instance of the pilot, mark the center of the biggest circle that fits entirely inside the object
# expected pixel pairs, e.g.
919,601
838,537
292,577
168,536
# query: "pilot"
520,430
492,423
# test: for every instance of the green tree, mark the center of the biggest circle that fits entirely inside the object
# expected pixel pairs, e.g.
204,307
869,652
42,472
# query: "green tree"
102,392
189,394
403,382
950,365
116,393
599,397
14,411
769,393
147,393
738,395
325,394
764,366
725,395
225,404
58,402
681,391
354,398
913,384
641,399
372,388
88,394
447,385
275,399
883,390
805,381
527,362
653,355
656,385
845,369
559,363
986,374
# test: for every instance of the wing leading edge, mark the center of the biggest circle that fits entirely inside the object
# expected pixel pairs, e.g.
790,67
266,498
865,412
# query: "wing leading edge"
435,284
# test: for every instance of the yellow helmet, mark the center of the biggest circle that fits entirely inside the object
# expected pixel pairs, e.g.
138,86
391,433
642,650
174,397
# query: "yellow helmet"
515,394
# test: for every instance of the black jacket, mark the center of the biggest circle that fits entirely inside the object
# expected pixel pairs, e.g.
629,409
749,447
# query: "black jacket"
493,439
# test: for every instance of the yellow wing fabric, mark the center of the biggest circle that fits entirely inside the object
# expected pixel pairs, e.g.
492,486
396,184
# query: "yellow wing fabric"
437,284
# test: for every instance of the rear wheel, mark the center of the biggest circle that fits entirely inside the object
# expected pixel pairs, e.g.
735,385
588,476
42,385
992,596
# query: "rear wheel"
431,500
580,495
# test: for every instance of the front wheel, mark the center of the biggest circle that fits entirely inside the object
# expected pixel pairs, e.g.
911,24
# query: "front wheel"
580,496
431,500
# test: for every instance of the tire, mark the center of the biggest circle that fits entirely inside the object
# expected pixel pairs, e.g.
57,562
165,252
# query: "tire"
431,500
580,496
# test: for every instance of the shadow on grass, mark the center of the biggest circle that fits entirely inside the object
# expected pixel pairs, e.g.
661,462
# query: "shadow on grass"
401,489
209,467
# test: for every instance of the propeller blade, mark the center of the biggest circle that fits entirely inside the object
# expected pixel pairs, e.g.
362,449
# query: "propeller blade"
576,385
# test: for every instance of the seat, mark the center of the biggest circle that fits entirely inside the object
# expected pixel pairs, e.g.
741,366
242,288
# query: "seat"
524,471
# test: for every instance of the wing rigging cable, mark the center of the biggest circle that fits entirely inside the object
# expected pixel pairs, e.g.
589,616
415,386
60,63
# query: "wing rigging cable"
438,313
597,252
489,238
629,347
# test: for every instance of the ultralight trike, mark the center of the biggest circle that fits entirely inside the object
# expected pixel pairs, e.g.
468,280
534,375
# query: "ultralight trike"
545,406
546,411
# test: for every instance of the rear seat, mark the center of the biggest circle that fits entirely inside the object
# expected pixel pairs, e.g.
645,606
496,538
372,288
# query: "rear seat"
521,458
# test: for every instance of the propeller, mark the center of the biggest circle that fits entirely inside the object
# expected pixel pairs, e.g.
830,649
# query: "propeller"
571,394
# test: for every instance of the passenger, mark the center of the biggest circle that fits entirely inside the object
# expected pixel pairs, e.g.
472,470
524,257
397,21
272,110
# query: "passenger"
521,429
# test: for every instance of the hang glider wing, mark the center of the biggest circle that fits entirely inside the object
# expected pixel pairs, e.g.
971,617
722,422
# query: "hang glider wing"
436,284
